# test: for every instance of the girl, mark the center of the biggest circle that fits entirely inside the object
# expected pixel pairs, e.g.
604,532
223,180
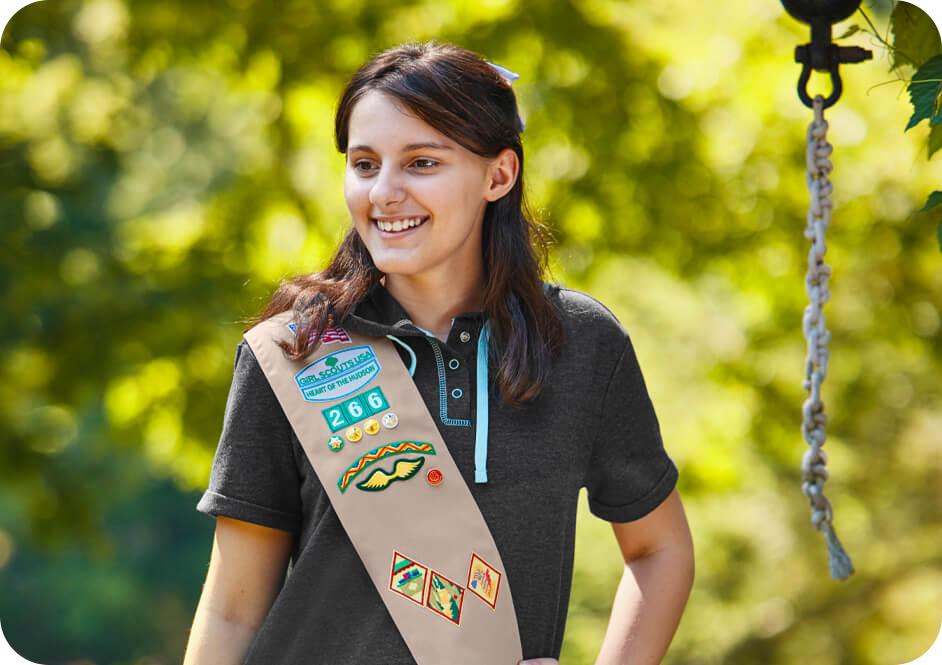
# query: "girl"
443,256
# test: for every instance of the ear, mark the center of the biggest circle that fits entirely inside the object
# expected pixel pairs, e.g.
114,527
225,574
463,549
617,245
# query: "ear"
501,174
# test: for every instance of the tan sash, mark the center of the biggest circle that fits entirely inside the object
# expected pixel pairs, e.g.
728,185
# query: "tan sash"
398,494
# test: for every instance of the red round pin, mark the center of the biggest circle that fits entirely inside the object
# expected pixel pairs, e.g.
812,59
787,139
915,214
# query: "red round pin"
434,477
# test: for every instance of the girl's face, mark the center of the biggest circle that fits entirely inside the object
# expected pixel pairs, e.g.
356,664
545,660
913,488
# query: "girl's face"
400,168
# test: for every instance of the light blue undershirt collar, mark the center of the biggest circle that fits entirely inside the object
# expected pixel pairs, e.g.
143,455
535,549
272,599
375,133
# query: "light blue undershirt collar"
481,410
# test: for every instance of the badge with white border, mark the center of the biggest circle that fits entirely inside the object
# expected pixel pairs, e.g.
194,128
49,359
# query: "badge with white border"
445,597
338,374
408,578
483,580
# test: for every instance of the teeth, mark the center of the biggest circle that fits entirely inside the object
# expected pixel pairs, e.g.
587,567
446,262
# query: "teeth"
400,224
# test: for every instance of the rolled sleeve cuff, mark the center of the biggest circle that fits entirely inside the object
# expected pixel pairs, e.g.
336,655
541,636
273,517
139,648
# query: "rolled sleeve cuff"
213,503
638,508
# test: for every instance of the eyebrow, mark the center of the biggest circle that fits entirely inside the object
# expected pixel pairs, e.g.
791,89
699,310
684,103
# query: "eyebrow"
412,146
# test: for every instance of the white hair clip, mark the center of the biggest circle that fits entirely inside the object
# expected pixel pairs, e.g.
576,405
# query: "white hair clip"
510,77
503,71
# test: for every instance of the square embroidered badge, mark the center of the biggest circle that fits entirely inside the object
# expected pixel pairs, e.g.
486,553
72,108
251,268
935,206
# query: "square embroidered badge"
408,578
483,580
445,597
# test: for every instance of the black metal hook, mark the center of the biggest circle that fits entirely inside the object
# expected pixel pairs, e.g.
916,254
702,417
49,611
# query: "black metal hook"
821,54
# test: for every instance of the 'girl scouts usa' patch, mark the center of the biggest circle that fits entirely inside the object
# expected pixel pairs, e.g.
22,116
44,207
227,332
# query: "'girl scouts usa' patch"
338,374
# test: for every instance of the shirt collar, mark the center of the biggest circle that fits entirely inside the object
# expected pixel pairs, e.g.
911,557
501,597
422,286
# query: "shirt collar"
379,313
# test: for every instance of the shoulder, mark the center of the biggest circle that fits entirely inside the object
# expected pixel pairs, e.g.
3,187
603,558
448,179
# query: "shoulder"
587,318
582,308
251,392
244,356
247,373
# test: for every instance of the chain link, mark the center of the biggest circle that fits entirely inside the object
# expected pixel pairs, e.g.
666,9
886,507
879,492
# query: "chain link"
814,461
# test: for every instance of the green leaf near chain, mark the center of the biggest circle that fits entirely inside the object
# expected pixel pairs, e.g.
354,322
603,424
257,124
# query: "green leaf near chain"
935,198
852,30
935,140
924,91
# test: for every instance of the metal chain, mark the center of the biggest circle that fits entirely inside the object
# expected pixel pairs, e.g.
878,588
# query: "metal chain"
814,419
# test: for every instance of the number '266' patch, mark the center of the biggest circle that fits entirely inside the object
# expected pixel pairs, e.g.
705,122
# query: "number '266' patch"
338,374
355,409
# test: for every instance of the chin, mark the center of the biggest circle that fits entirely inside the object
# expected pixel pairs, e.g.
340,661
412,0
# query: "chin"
396,268
392,266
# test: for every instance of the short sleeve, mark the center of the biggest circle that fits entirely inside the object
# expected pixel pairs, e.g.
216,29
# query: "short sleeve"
255,475
629,473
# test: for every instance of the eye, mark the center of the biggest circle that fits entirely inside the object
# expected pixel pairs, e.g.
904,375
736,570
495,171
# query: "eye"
429,164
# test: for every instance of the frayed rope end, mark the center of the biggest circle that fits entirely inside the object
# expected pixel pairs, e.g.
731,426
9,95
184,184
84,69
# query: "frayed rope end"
841,567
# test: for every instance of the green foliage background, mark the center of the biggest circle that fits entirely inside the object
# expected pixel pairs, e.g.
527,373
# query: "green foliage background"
915,54
165,163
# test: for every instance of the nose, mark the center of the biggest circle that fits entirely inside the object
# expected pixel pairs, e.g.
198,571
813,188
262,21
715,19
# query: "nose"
386,189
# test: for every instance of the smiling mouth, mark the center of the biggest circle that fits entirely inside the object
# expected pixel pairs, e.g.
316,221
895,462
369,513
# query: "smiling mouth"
400,225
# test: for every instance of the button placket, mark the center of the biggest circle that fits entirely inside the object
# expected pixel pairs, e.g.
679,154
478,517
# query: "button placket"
460,367
448,409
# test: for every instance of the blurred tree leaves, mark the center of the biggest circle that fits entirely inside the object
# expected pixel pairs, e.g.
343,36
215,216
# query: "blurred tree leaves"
915,36
164,164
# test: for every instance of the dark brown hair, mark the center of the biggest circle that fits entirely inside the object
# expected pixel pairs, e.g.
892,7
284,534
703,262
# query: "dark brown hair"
456,92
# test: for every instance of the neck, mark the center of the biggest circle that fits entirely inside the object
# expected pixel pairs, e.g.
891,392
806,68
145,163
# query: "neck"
433,301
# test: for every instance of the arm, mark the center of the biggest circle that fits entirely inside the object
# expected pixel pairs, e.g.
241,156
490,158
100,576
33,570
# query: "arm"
655,585
246,571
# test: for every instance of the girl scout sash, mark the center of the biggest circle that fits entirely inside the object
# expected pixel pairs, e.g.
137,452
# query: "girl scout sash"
398,493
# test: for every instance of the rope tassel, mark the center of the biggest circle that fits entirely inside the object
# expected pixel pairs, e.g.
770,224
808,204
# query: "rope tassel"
839,562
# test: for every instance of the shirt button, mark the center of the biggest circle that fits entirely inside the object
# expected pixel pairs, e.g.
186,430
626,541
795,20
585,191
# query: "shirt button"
454,363
464,336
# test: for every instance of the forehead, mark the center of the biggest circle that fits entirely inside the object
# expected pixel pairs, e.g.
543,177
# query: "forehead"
380,122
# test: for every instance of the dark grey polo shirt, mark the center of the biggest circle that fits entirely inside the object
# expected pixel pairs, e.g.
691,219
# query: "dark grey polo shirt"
593,425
